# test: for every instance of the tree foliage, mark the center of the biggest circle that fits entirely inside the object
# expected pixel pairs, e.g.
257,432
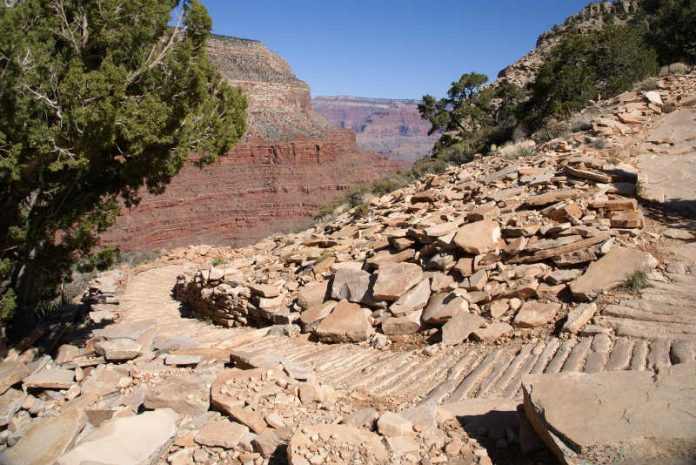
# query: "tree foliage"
472,115
673,30
588,66
97,101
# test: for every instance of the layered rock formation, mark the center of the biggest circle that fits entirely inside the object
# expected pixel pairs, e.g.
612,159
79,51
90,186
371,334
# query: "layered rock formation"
390,127
291,162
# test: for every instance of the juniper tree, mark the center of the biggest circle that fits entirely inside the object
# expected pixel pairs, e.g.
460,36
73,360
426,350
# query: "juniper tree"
99,101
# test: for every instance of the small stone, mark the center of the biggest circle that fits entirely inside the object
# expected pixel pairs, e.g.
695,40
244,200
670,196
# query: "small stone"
118,350
479,237
579,317
459,327
52,378
221,433
533,314
391,424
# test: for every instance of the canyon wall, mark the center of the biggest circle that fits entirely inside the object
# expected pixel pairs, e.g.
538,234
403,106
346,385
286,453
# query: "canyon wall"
290,162
390,127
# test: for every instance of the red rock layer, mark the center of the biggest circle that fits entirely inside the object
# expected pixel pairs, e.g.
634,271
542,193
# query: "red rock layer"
257,190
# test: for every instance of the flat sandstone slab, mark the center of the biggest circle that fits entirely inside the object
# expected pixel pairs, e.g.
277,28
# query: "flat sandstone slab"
611,271
615,417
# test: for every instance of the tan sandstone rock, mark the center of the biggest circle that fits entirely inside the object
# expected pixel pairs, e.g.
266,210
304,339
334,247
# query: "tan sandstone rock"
615,417
611,271
479,237
347,323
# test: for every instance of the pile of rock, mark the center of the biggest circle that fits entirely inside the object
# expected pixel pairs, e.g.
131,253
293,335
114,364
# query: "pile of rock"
103,289
500,248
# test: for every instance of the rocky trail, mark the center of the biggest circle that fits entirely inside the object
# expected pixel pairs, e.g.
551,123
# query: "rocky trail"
520,309
655,330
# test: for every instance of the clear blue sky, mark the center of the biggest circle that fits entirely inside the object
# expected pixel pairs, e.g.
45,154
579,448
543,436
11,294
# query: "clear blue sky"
391,48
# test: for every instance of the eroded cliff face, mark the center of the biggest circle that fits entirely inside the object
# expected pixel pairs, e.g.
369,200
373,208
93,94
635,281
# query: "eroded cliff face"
390,127
290,163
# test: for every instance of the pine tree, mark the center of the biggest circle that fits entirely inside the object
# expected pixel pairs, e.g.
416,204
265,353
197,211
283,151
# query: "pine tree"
98,102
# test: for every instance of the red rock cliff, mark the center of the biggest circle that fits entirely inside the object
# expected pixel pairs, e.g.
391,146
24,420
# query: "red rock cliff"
291,162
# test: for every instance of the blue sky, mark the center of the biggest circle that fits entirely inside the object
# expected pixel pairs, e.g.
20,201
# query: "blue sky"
391,48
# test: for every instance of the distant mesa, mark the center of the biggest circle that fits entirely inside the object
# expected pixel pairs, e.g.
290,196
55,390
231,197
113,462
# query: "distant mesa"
291,162
391,127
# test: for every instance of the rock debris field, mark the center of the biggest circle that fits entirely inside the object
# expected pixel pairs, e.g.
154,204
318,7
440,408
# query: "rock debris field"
519,309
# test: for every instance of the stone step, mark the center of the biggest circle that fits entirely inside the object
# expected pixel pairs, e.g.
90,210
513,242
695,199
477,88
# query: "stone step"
513,389
648,329
546,356
620,358
470,382
576,359
639,359
673,316
556,364
440,392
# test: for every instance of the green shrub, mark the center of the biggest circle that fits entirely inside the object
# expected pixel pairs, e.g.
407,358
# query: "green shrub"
217,261
361,211
648,85
599,143
522,152
672,31
678,68
588,66
636,281
552,129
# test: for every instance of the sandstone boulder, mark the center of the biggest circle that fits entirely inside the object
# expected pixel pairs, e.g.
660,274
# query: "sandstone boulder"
119,350
10,402
186,395
11,373
442,307
47,440
395,279
312,294
52,378
347,323
136,440
533,314
391,424
407,324
611,271
615,417
579,317
221,433
459,327
479,237
351,285
413,300
492,332
312,316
